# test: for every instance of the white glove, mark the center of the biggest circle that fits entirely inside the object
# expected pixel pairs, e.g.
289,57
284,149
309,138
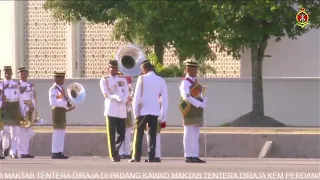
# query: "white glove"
160,119
203,106
115,98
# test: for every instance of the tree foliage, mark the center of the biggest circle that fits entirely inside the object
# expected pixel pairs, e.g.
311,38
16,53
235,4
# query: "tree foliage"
250,24
156,24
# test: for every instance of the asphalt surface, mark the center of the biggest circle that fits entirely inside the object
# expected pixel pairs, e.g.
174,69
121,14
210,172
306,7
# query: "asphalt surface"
169,168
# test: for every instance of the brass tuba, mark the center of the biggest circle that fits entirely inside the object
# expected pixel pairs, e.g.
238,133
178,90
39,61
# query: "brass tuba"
129,58
30,120
76,94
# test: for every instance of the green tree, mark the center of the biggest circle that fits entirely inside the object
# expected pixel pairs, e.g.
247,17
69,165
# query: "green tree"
154,24
250,24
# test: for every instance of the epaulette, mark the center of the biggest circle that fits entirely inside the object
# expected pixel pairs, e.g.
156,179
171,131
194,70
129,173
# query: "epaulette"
105,77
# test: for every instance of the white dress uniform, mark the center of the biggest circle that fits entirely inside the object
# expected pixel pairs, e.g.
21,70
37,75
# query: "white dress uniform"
11,91
28,96
116,97
58,134
115,90
125,148
148,89
191,132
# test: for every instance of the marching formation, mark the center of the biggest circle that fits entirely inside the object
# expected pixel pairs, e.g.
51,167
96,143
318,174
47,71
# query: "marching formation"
18,110
138,111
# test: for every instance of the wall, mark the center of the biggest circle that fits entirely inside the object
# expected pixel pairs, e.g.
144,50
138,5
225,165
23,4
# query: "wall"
293,101
290,58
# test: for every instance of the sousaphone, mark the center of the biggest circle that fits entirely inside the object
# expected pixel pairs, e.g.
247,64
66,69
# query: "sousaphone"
129,58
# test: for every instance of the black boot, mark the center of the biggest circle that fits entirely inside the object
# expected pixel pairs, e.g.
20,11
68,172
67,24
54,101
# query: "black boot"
59,156
198,160
26,156
189,160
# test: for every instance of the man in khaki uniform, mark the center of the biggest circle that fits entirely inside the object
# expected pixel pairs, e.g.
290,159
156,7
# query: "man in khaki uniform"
115,91
192,105
28,104
1,120
60,105
11,112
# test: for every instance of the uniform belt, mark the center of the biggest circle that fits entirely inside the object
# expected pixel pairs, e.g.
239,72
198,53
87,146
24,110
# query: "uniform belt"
12,100
53,107
27,102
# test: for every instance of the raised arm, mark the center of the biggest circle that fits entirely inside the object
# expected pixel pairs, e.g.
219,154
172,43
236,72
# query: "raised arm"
136,98
53,93
164,102
185,93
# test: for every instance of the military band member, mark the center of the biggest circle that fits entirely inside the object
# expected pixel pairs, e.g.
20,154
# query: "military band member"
1,121
115,91
125,149
158,139
28,104
11,111
60,105
146,109
192,106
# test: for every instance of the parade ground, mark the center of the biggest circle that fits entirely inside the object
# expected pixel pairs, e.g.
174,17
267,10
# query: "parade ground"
169,168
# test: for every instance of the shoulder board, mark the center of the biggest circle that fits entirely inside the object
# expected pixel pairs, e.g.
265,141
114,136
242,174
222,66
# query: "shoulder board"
105,77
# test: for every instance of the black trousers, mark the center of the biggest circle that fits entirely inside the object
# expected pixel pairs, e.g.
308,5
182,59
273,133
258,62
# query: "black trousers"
116,127
141,123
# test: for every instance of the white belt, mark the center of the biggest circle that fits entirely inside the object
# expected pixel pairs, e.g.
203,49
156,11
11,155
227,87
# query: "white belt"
12,100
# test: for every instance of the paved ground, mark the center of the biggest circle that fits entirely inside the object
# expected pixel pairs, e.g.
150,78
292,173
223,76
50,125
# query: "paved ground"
246,130
102,168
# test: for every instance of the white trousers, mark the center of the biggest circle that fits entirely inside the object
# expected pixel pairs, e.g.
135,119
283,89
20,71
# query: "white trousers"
158,144
191,141
11,133
58,136
24,140
125,147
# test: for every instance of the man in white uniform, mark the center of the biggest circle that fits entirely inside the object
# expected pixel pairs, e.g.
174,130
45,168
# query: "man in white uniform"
125,149
115,91
11,111
192,105
28,104
60,105
146,110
